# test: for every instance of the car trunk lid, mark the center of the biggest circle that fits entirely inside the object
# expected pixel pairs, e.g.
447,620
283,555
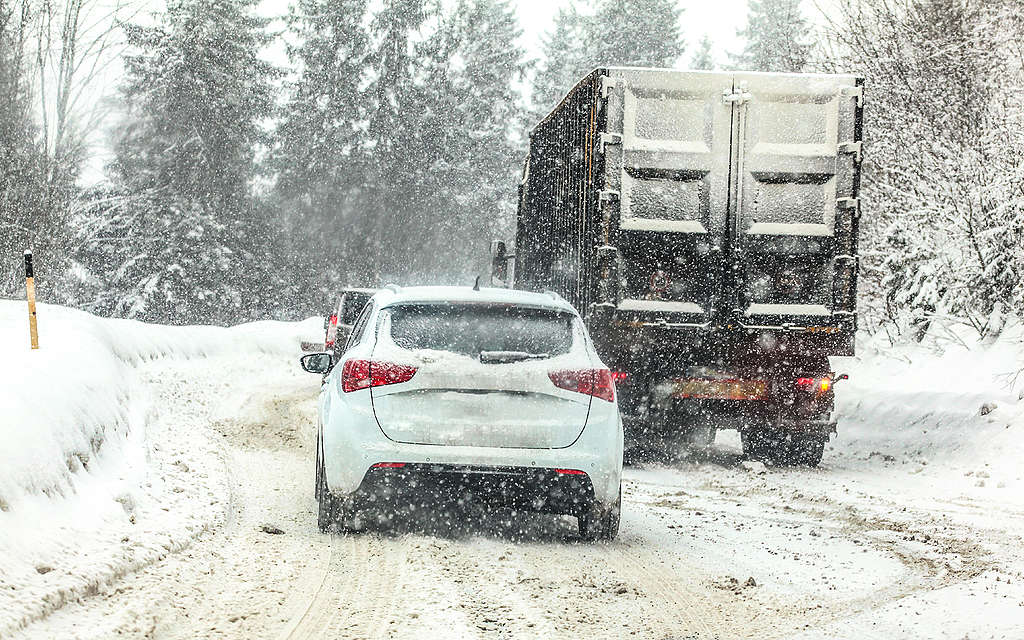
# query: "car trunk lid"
482,376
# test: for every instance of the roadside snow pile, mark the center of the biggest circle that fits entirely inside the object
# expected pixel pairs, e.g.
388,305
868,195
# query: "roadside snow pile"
952,401
61,403
108,463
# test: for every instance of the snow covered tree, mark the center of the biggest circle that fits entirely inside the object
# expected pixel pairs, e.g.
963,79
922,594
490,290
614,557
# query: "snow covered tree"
485,130
447,174
944,179
563,62
702,59
318,158
636,33
393,125
37,182
20,162
180,234
777,37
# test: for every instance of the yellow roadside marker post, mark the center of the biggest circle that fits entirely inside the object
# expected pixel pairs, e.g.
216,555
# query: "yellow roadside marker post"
30,291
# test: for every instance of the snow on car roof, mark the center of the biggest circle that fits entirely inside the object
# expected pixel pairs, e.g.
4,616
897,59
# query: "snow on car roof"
369,290
388,297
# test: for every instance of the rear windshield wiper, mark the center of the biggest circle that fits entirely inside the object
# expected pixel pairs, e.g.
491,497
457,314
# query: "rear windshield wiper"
499,357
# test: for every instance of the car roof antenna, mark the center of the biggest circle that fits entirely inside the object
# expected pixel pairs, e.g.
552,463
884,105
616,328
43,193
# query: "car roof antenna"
476,285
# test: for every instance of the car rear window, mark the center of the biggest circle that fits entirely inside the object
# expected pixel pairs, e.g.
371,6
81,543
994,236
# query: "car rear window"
472,329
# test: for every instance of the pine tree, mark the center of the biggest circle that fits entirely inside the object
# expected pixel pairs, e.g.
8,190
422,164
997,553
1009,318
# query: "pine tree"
777,37
391,195
641,33
182,227
636,33
485,128
318,158
564,60
702,59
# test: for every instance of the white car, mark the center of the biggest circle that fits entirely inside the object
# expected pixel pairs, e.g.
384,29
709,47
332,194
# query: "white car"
491,392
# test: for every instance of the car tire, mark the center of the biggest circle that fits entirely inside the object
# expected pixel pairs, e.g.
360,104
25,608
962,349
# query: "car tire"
319,470
601,522
334,513
327,512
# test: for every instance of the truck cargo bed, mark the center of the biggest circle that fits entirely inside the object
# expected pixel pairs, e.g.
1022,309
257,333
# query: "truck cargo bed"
699,210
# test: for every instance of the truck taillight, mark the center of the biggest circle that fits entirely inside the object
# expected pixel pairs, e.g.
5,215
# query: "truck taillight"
620,377
592,382
332,331
362,374
819,385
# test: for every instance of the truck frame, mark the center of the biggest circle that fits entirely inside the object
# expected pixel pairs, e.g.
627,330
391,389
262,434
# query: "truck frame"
705,224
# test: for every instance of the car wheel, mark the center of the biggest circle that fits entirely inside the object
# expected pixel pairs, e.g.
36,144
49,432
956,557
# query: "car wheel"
319,470
327,513
601,522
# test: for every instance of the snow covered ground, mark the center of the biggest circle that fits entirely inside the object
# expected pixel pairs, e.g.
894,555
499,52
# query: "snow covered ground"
103,468
141,465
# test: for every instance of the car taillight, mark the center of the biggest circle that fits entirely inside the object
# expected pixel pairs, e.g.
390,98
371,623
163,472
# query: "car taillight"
592,382
570,472
332,331
363,374
620,376
388,465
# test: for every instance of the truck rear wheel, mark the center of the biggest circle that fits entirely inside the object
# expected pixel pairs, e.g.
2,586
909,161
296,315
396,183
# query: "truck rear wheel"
699,437
780,448
764,444
806,449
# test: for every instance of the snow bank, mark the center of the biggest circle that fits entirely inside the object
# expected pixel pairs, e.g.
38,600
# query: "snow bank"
109,463
950,403
60,404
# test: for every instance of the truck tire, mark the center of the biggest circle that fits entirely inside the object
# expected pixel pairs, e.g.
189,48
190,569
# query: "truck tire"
601,522
699,437
764,444
806,449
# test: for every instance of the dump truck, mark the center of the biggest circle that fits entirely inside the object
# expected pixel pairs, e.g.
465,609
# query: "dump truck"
705,225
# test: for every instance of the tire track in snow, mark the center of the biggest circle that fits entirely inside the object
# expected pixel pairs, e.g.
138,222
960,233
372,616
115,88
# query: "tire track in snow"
357,593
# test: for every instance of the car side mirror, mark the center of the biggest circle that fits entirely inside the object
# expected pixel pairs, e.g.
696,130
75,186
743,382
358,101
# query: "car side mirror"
317,362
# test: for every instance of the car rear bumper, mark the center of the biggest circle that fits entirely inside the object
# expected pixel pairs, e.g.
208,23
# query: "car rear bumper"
353,443
525,488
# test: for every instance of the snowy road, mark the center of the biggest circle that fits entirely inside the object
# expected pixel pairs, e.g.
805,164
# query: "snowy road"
866,546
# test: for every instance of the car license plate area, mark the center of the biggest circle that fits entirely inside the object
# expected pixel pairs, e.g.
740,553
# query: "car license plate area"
708,389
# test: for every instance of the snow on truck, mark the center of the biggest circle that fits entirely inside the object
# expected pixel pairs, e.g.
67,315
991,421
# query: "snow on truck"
705,225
